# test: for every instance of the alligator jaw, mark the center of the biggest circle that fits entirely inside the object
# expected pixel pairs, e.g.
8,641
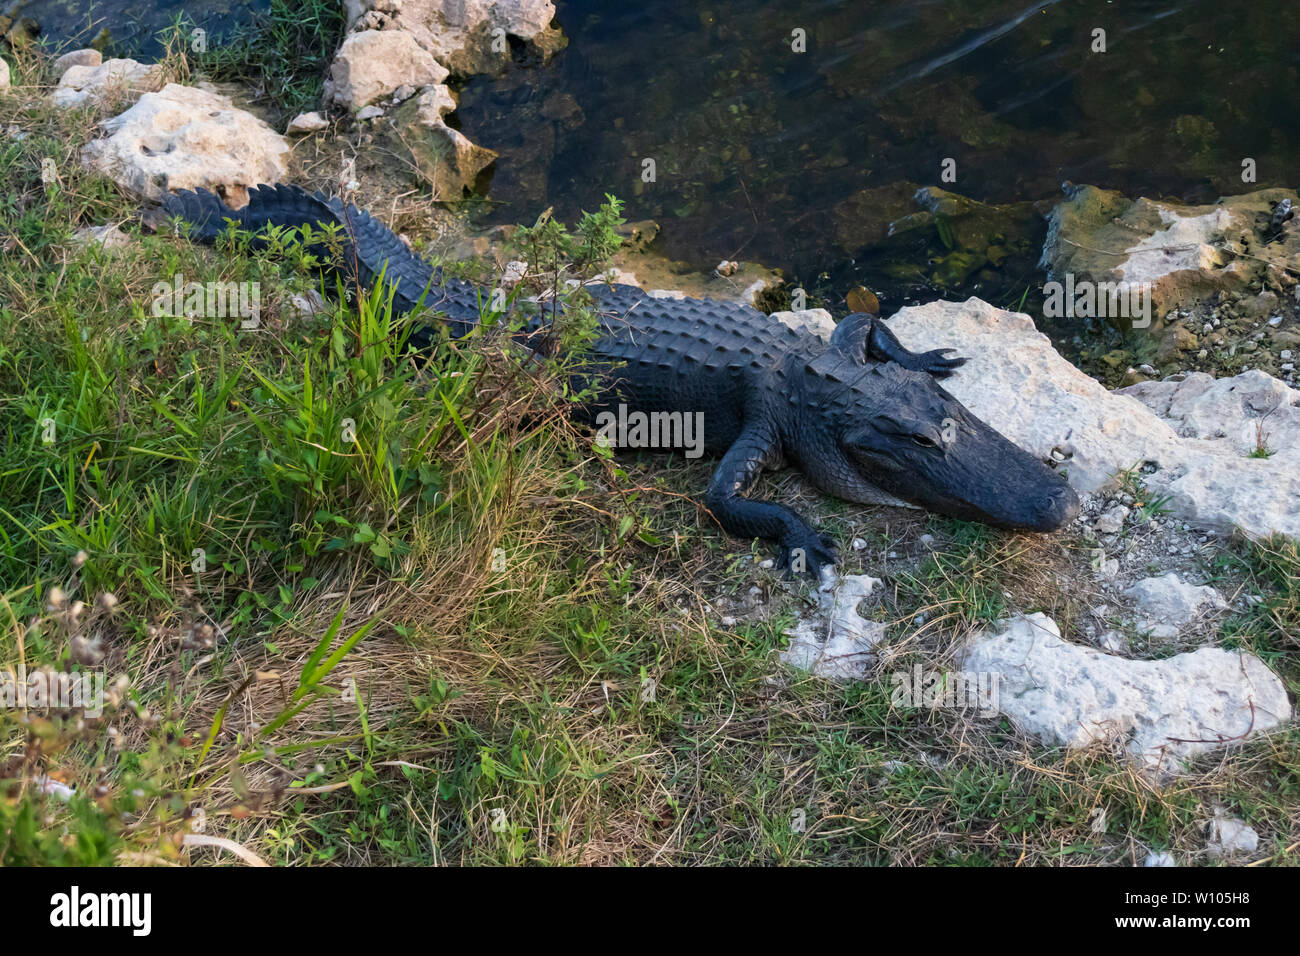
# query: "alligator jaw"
976,475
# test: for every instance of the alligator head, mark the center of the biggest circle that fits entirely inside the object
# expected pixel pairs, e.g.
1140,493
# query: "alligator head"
878,425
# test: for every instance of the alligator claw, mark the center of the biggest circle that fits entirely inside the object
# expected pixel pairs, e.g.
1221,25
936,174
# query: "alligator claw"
807,554
937,363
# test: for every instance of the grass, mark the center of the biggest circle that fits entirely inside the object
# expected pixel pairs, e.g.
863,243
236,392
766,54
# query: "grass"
355,608
282,57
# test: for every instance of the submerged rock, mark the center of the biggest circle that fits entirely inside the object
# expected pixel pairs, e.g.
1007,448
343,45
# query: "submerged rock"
964,235
1185,253
1158,712
187,138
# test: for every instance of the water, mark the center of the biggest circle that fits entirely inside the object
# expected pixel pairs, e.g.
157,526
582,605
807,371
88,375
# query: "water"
801,160
758,148
131,26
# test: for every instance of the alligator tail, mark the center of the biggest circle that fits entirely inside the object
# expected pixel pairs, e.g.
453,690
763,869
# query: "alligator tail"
370,249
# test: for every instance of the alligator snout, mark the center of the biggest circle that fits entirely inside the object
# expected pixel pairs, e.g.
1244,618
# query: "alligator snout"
1056,509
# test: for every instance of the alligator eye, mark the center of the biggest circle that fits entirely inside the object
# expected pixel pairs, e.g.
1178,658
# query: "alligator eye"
923,441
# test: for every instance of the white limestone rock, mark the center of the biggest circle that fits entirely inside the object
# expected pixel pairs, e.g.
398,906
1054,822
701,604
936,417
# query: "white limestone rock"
1111,641
4,75
1240,414
467,36
305,123
1167,604
1159,712
434,104
817,321
1229,837
1111,521
106,237
186,138
513,273
611,276
307,304
836,642
104,83
85,57
374,63
750,293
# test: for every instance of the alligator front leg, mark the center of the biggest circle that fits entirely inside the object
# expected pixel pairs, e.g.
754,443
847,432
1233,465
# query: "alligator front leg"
801,547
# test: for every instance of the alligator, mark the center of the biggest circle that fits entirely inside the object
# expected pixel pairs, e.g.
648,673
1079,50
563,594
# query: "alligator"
861,416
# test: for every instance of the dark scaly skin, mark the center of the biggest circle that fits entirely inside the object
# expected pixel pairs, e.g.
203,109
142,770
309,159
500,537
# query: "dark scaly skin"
862,417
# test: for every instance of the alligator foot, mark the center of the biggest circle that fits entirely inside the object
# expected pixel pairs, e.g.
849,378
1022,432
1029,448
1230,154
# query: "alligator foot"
884,344
863,336
936,362
806,552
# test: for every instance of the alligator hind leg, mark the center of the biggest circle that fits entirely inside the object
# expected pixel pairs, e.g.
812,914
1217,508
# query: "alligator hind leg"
802,549
863,335
884,345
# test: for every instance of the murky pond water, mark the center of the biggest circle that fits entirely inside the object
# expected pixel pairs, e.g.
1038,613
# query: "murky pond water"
131,27
802,159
